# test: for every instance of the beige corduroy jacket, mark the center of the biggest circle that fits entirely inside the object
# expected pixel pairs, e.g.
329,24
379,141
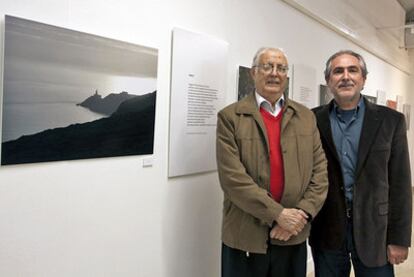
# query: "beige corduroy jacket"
244,172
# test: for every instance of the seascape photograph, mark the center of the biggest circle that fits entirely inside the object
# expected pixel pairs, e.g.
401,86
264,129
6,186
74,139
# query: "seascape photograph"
71,95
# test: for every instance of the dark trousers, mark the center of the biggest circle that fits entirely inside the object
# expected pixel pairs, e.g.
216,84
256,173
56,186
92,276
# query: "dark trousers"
279,261
337,263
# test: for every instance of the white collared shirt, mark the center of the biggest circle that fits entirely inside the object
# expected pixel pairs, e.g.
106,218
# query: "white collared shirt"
261,102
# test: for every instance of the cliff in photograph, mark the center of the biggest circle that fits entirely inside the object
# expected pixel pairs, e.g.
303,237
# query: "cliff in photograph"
106,105
128,131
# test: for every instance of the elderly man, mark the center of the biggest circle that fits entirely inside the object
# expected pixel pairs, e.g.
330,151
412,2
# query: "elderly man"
272,170
366,218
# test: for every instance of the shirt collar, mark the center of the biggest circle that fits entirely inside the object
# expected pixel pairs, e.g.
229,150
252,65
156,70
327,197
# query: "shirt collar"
262,102
360,105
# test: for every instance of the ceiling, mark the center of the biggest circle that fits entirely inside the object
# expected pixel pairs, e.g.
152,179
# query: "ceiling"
378,26
408,6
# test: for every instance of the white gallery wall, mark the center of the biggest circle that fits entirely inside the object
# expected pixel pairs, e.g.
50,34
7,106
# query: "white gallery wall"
112,216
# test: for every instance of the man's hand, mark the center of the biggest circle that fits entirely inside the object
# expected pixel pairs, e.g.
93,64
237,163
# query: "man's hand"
279,233
396,254
292,220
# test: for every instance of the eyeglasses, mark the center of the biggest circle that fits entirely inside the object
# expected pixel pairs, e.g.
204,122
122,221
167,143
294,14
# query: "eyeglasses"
268,67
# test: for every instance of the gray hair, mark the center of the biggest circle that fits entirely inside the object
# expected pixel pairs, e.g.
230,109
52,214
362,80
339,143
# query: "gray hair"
262,50
361,60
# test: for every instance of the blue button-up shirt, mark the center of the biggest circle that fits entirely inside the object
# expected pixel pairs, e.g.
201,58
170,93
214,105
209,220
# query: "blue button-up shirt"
346,128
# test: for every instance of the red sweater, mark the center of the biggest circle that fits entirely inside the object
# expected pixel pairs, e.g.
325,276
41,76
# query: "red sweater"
273,126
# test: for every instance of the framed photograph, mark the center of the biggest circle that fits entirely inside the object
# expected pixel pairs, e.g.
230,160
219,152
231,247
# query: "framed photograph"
70,95
381,97
407,114
371,99
392,104
325,95
246,83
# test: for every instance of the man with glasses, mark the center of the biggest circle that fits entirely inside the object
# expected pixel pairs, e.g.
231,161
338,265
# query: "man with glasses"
366,218
272,170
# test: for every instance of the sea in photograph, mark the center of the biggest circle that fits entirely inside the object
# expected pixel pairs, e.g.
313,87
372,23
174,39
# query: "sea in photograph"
30,118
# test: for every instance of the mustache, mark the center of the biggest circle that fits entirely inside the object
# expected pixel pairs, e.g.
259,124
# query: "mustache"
346,84
274,80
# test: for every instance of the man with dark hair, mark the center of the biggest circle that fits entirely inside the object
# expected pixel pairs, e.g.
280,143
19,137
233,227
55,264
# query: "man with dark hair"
366,218
272,170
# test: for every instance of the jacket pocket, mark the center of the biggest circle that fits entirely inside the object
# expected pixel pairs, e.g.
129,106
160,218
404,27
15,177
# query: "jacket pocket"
383,208
251,150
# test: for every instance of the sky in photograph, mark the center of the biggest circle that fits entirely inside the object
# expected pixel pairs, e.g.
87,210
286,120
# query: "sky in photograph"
45,63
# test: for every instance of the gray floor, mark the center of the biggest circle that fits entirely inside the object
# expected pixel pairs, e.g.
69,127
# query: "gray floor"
403,270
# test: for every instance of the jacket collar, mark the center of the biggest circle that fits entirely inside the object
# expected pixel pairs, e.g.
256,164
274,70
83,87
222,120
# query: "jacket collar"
372,121
248,105
324,124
